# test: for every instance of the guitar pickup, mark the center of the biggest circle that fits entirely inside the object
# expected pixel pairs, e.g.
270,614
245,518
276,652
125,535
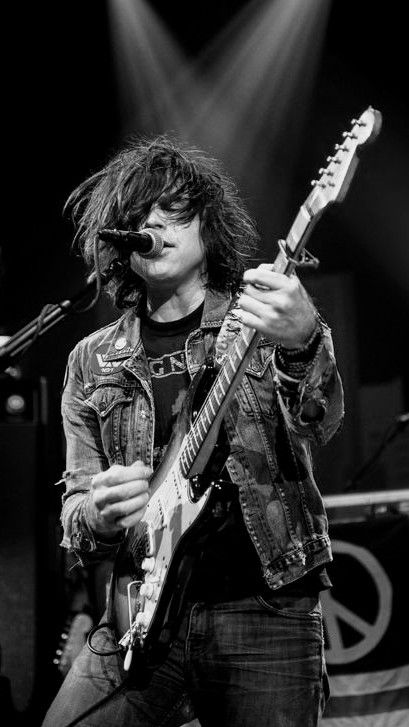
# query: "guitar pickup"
150,540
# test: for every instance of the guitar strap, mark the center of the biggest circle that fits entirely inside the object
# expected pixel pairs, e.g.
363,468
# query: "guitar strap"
209,342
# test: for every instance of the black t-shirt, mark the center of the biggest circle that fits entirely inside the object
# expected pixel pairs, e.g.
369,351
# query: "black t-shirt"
227,565
164,345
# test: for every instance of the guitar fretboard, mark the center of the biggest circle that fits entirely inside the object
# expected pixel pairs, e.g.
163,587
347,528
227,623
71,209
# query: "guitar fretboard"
223,386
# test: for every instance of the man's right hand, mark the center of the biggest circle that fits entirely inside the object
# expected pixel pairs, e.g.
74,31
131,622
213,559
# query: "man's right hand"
118,498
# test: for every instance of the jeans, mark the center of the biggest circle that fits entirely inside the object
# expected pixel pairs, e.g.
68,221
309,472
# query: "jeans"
252,662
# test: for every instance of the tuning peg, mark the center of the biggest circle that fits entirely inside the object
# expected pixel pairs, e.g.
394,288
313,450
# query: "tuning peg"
340,147
333,159
324,170
316,183
349,135
357,122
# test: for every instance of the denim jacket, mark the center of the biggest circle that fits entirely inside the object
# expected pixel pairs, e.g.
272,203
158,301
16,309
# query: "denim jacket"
108,417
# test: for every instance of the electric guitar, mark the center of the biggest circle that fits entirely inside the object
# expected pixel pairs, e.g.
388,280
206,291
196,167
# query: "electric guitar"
78,621
72,639
146,604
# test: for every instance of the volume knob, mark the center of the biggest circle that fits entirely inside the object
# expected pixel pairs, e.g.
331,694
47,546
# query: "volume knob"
147,590
148,565
142,620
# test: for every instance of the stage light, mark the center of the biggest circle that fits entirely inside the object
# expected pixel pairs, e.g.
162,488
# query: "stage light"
244,98
150,65
260,73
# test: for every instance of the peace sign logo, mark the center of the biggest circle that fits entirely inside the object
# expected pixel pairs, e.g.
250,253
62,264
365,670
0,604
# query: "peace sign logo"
367,633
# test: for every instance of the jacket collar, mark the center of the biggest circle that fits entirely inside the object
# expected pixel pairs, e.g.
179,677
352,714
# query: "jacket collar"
215,308
125,338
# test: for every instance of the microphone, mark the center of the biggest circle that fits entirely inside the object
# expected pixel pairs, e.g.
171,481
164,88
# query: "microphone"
148,243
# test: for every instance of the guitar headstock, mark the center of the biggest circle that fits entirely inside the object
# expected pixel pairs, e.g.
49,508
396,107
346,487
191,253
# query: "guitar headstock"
334,180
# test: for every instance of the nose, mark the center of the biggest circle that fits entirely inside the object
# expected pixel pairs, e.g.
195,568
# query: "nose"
155,220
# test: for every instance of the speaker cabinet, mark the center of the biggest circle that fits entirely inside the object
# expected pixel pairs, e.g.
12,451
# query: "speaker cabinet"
24,535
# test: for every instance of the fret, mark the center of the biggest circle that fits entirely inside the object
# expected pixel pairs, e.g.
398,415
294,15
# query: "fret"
298,229
236,346
247,337
186,462
224,380
205,422
201,423
211,406
194,433
190,447
195,439
200,427
233,367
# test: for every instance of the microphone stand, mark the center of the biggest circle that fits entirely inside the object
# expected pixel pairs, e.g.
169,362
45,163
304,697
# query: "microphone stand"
52,314
15,346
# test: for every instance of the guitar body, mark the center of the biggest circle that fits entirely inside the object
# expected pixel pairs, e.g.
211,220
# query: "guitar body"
157,556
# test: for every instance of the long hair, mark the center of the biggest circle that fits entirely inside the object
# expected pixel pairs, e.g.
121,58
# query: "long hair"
184,182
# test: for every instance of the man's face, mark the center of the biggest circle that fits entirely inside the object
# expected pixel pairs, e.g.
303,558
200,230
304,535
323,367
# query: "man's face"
181,261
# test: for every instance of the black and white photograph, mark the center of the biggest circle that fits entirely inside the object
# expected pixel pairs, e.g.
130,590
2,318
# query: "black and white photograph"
204,367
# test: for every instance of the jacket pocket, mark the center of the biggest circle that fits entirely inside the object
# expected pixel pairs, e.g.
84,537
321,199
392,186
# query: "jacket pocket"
297,605
103,397
256,393
115,409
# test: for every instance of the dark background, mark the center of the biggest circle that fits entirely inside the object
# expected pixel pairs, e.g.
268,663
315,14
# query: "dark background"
62,120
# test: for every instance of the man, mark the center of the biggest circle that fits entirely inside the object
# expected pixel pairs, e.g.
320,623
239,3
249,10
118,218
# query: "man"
246,645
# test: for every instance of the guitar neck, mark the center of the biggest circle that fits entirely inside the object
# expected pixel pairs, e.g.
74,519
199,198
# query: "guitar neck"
331,186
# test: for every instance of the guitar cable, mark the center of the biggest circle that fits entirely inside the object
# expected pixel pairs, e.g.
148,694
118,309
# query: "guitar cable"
91,635
115,691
